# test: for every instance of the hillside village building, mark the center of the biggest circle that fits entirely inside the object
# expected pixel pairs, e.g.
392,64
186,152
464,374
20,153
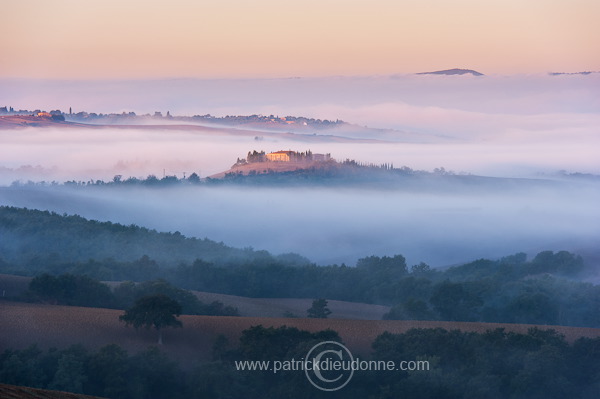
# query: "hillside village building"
294,156
281,156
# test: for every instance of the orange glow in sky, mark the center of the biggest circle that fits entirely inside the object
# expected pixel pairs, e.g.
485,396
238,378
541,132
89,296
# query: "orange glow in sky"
279,38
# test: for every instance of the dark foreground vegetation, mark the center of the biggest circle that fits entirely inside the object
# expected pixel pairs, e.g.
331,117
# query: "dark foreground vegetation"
493,364
514,289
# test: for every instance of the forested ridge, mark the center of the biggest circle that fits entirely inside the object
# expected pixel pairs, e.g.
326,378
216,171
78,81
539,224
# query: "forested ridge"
546,289
34,238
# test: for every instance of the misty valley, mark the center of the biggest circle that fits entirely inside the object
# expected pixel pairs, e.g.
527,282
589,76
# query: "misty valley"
148,255
444,268
337,217
299,199
42,243
74,276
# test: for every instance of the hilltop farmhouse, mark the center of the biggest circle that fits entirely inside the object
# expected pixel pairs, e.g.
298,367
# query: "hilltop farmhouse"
294,156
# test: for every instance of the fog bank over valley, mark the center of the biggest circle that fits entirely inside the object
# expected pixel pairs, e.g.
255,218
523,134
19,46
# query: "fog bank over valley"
334,225
83,154
494,125
533,94
525,126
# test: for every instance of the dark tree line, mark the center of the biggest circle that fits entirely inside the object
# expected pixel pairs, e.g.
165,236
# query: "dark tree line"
78,290
510,290
490,364
109,372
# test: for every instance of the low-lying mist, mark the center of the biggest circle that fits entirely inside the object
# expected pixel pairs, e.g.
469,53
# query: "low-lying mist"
495,125
506,126
84,154
327,225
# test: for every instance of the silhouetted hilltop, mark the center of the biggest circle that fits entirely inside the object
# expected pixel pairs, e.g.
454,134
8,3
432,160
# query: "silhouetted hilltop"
454,71
306,168
288,165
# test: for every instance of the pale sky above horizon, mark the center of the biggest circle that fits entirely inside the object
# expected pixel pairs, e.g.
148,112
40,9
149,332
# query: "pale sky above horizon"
98,39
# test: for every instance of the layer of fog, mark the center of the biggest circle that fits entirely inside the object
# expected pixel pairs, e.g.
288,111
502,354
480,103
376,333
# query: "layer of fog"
84,154
494,125
516,94
455,105
491,125
342,225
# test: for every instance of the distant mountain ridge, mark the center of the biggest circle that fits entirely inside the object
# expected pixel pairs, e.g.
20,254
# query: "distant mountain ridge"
573,73
454,71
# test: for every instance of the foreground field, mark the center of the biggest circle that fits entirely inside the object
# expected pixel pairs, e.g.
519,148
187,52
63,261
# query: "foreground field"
62,326
17,392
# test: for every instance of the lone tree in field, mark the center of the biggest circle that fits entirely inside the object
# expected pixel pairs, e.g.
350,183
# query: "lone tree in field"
319,309
156,311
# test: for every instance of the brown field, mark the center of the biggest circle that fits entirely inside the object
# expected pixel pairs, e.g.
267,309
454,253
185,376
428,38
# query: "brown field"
61,326
16,392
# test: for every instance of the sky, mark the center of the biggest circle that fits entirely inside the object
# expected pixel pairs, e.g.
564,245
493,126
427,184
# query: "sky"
110,39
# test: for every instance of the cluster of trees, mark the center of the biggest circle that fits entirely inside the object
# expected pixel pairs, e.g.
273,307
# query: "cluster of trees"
7,110
80,290
158,311
490,364
109,372
493,364
119,181
71,290
260,156
319,309
370,165
509,290
255,156
353,173
114,118
348,172
270,119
